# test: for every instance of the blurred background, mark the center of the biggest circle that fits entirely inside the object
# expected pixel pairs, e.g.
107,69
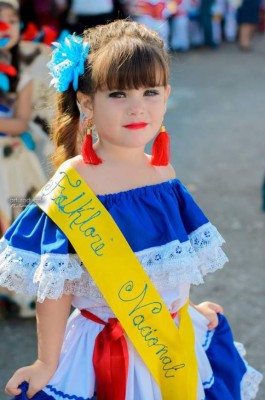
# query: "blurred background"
216,118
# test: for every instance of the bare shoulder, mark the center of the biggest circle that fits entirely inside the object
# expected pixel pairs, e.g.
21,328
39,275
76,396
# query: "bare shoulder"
85,170
90,173
167,172
75,162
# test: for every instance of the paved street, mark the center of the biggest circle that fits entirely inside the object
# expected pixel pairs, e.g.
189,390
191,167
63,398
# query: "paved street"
217,119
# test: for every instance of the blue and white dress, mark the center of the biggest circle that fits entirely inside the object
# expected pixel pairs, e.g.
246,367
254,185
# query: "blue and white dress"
176,245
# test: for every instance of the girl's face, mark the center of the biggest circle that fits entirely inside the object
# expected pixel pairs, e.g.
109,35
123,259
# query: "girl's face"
10,16
127,118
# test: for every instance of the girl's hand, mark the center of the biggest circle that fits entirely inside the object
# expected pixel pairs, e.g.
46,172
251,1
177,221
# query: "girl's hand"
210,311
37,375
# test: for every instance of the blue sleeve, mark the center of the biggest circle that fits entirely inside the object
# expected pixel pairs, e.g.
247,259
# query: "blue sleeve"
36,258
34,231
191,214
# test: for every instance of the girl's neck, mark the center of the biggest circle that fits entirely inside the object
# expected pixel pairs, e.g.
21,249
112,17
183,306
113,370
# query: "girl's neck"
121,155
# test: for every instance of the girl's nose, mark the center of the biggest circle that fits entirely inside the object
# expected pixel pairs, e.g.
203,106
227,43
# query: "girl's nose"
136,108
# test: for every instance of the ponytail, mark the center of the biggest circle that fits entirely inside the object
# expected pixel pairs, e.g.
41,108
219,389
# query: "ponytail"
65,127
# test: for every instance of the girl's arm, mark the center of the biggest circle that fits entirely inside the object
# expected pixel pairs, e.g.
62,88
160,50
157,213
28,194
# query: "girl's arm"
18,124
51,318
209,310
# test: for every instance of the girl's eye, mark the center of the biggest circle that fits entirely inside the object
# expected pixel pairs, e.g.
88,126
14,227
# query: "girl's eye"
117,95
151,92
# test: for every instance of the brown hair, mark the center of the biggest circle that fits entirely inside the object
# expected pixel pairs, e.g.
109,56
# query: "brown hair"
122,55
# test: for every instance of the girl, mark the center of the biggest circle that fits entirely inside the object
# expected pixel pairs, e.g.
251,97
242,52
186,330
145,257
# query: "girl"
119,237
20,173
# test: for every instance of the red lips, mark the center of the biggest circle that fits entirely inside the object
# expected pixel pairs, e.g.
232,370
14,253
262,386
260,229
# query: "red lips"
136,125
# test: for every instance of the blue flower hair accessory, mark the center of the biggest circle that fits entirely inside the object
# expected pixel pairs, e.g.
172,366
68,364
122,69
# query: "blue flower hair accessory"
68,62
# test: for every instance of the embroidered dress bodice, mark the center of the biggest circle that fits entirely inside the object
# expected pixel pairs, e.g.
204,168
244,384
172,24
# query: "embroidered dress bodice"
172,238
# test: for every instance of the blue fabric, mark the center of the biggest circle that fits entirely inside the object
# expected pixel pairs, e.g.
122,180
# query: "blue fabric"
68,62
38,396
148,216
44,396
4,82
28,140
4,109
248,13
228,367
4,41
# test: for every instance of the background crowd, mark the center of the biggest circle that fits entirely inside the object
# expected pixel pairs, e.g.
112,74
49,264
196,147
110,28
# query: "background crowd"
181,23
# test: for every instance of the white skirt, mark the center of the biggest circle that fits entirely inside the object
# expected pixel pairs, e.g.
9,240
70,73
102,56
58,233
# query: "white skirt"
75,377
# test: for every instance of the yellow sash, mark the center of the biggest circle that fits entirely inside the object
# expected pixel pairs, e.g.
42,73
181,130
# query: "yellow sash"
167,351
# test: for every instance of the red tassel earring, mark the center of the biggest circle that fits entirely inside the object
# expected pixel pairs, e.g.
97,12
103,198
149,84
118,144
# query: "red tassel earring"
88,153
161,148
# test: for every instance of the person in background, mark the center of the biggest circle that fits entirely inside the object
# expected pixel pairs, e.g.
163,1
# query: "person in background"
218,12
230,20
154,14
49,12
88,13
119,9
180,26
21,173
196,32
206,22
248,19
261,27
27,12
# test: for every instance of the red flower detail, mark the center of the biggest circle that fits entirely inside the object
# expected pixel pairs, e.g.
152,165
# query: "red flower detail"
4,26
31,32
50,34
8,69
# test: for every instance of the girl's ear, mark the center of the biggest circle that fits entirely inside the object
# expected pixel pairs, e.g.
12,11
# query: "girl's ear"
85,104
167,93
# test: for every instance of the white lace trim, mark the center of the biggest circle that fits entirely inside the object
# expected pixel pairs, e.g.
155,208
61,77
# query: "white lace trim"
252,378
51,275
29,273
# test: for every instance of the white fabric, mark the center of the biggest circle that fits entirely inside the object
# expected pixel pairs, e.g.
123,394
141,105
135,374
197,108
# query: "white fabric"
196,34
180,32
19,173
231,24
168,266
24,80
92,7
78,351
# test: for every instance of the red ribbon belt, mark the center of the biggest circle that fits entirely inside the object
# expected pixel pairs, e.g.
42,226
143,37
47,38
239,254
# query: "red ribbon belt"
110,358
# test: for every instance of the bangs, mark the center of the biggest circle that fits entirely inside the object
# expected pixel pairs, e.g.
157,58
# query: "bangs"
129,64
